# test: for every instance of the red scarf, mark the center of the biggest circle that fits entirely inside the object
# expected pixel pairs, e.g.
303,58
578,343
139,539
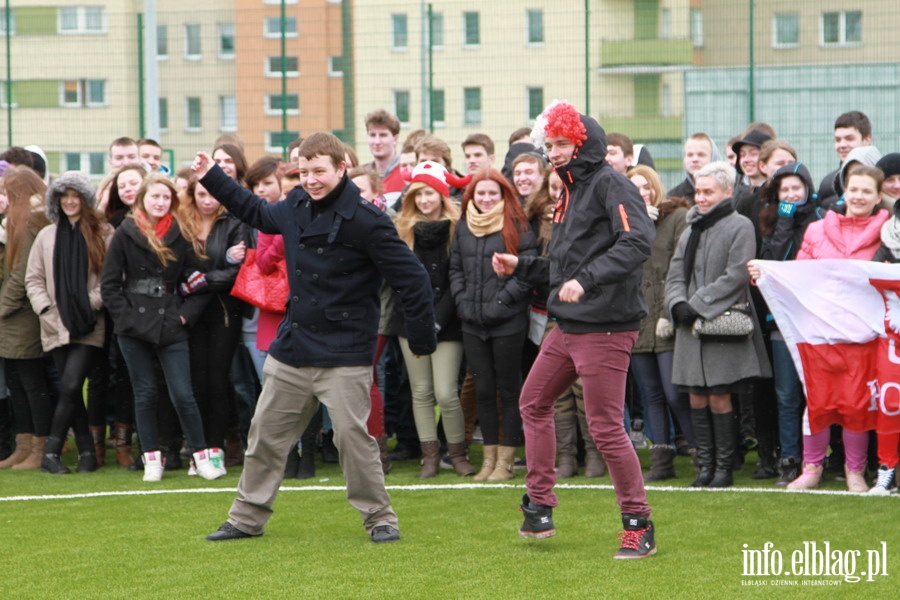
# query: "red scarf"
161,228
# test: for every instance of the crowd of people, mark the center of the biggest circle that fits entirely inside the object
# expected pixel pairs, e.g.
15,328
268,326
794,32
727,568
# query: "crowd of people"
565,302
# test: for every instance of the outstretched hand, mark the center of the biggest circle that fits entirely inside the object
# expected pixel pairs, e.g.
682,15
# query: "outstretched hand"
504,264
203,162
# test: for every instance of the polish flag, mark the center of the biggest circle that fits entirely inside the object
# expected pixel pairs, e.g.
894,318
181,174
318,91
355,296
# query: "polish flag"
840,319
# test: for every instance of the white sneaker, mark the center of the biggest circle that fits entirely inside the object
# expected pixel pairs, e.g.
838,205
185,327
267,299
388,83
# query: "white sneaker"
217,456
204,465
153,466
886,482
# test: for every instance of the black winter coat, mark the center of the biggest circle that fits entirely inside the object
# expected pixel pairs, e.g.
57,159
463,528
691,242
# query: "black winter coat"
152,318
337,251
488,306
226,232
432,248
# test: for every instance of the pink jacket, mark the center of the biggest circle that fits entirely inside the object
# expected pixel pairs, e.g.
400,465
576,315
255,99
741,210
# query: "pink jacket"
269,250
839,236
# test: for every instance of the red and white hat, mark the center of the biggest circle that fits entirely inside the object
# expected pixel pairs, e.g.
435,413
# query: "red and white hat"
434,175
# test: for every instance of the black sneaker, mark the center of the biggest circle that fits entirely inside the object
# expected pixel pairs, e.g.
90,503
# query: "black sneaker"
538,522
382,534
790,470
637,539
227,531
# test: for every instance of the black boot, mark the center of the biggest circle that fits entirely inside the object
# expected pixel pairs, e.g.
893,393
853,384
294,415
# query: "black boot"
7,437
51,462
292,464
171,450
704,435
723,428
306,468
87,455
329,451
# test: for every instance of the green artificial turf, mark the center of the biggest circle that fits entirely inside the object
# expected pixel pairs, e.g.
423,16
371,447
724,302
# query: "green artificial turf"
459,540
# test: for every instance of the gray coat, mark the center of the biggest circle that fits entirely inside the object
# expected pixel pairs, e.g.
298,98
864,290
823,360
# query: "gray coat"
719,280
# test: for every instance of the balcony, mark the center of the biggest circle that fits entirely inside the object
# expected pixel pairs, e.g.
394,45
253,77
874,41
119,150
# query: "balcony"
646,128
654,55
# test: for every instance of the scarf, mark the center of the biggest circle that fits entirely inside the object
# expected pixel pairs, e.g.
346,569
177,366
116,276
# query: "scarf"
890,235
715,214
161,228
482,224
70,275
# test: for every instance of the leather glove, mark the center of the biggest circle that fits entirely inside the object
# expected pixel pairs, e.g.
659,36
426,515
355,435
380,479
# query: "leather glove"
664,329
684,314
653,212
196,281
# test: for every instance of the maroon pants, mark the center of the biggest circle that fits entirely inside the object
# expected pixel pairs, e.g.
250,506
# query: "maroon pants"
601,361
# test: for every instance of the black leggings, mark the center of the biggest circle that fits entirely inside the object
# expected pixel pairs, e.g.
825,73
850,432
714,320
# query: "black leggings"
73,362
212,346
31,399
496,363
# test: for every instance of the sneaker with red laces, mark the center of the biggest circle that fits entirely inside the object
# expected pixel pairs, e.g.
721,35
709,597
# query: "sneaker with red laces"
637,538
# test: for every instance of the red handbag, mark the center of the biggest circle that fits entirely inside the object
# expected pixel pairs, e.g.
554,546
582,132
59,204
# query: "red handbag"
268,292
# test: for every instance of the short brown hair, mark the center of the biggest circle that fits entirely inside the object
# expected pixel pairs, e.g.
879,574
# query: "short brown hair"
519,134
434,145
323,144
412,140
857,120
760,126
770,146
622,141
370,174
382,118
262,168
480,139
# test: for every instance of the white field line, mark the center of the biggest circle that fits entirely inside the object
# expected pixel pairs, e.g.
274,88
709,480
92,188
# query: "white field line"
426,487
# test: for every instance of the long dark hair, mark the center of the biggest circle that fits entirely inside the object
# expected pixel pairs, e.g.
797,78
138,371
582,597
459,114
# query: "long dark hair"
25,191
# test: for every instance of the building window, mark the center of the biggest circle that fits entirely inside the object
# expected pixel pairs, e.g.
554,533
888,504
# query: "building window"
163,113
400,33
335,66
81,19
786,30
665,23
273,27
471,29
535,102
226,40
277,141
162,41
194,121
279,1
93,163
841,28
697,27
535,26
288,64
12,22
472,106
276,102
665,101
437,30
82,92
438,111
227,113
401,106
3,102
192,47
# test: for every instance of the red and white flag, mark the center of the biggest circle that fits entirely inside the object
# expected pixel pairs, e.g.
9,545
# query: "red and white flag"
841,321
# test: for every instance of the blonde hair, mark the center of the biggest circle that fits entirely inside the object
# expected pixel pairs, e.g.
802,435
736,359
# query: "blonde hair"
410,214
652,178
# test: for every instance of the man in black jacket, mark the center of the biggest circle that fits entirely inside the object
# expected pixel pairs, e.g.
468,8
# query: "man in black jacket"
601,238
337,247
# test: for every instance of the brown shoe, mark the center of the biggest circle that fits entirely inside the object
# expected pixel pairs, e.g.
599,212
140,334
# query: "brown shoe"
488,464
506,458
459,459
431,459
22,451
35,457
98,435
124,458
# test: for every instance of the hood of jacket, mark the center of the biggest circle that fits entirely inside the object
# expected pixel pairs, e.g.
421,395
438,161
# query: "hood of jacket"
589,157
867,155
798,169
70,180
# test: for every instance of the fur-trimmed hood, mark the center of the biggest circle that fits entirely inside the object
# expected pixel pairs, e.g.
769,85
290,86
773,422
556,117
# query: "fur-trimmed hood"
70,180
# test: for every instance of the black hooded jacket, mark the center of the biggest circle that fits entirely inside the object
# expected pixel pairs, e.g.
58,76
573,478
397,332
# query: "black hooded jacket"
601,237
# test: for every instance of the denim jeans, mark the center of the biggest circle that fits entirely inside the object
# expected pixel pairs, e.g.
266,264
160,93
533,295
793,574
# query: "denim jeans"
653,372
176,365
789,393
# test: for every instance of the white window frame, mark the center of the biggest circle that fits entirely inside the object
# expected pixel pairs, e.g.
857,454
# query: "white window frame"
465,42
163,126
84,158
276,112
665,23
221,32
187,114
187,41
394,32
276,35
439,16
332,72
228,122
442,122
784,45
3,102
12,22
842,30
82,87
88,101
277,74
466,121
528,117
81,20
696,27
394,96
275,149
528,42
162,27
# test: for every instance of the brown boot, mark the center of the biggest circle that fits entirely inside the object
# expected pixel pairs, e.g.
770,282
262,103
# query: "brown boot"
459,459
22,451
593,461
98,434
384,454
566,445
488,464
37,455
124,458
662,463
431,459
506,457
